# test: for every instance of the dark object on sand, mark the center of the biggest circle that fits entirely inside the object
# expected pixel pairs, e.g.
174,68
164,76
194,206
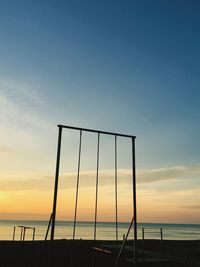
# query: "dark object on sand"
28,254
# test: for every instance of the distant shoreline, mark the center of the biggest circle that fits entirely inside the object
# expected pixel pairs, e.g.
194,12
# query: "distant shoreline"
105,230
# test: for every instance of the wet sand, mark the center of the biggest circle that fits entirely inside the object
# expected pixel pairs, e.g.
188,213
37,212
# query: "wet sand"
80,253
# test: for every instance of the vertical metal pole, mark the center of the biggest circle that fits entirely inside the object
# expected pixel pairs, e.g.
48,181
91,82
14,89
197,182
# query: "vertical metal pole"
143,240
134,199
116,205
14,233
142,233
97,184
56,183
161,242
77,185
33,234
24,233
21,234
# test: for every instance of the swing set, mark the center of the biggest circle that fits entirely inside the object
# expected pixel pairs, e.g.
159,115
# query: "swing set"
133,186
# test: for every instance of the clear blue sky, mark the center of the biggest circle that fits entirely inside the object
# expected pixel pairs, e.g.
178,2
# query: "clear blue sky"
125,66
132,67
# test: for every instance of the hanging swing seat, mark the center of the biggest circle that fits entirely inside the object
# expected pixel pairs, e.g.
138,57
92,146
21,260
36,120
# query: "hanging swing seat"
102,250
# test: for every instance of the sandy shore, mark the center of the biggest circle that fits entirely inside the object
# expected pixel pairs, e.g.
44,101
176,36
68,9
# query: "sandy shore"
80,253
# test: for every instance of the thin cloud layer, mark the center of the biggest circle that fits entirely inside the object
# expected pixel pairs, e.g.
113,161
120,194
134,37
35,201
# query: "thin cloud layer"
193,207
165,174
6,149
20,104
106,178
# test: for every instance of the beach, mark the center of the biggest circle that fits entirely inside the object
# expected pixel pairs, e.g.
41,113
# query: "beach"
76,253
179,245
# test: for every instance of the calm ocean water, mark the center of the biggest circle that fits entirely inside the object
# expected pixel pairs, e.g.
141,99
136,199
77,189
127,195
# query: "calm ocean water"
105,230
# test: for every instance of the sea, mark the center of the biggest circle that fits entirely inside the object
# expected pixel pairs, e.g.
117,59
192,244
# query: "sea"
105,230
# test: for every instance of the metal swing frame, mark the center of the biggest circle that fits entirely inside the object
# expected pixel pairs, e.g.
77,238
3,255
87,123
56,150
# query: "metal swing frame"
99,133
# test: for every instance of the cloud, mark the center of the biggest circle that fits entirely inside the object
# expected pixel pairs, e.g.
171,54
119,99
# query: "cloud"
22,95
191,207
88,178
23,216
6,149
21,104
165,174
25,182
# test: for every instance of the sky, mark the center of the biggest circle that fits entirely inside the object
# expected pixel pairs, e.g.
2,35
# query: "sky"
124,66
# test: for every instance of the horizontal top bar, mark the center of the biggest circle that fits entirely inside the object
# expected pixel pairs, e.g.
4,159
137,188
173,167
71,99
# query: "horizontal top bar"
27,227
95,131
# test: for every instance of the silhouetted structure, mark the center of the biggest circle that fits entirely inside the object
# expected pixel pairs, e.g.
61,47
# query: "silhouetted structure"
23,230
133,187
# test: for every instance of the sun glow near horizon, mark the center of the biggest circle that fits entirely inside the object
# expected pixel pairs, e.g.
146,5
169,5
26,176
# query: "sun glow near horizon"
160,197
